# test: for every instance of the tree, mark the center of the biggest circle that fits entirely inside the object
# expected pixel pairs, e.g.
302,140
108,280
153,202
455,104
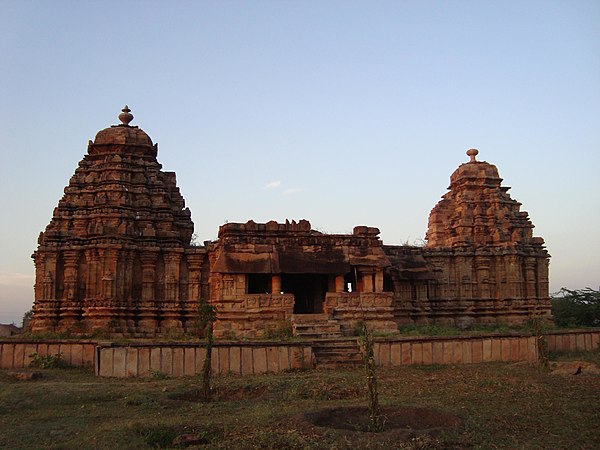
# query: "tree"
366,345
207,315
572,308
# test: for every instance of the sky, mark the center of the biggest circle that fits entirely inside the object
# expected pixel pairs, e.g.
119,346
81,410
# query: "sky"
344,113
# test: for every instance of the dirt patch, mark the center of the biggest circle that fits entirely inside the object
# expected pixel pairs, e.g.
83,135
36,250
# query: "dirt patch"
402,423
573,368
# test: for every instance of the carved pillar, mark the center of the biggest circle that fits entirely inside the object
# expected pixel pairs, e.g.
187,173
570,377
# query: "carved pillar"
194,266
147,322
482,266
379,280
542,278
46,305
100,313
367,282
530,278
170,307
70,305
124,286
275,284
92,281
513,276
339,283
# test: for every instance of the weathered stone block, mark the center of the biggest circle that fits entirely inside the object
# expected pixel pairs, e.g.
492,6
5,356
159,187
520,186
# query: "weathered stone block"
178,362
247,362
143,362
235,360
7,356
260,360
486,352
132,362
438,352
407,354
477,351
467,352
189,356
106,362
119,362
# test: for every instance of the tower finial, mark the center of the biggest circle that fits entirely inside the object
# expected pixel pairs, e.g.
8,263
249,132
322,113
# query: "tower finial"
472,153
125,117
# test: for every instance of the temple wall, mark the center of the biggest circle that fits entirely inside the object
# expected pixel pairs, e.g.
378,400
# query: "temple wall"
376,309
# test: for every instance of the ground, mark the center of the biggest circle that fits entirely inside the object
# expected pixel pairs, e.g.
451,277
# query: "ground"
483,406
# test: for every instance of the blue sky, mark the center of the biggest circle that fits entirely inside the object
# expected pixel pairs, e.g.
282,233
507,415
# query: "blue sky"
340,112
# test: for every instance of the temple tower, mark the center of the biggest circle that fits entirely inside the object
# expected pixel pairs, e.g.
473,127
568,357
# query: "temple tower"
114,256
481,248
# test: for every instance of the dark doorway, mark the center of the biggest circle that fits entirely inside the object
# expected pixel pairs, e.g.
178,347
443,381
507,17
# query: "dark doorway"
259,283
309,291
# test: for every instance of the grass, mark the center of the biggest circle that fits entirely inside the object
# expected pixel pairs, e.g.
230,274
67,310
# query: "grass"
503,406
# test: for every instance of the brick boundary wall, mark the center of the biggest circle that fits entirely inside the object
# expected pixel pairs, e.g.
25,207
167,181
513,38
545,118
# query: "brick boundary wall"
186,358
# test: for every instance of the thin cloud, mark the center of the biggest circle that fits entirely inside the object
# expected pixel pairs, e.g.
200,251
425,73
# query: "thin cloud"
15,279
273,185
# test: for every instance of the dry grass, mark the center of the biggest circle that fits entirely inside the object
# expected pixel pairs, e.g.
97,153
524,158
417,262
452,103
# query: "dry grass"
506,406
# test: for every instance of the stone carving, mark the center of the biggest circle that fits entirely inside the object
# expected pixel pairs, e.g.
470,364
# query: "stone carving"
117,257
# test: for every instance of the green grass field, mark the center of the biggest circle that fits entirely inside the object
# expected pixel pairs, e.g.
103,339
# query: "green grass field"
509,406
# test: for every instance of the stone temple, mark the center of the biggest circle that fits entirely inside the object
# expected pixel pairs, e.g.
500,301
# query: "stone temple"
117,257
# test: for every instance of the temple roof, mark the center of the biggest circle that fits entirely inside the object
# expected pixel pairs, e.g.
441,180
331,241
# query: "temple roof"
482,172
123,134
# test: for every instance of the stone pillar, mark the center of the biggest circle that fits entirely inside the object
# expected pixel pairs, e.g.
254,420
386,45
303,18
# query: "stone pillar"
339,283
126,311
70,306
190,308
482,266
367,282
530,278
275,284
46,305
170,307
147,322
379,280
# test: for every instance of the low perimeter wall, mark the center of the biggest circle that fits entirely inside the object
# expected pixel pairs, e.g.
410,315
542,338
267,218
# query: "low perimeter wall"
186,358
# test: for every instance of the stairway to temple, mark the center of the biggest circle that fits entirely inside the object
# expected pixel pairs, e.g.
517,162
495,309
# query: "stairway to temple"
315,326
337,354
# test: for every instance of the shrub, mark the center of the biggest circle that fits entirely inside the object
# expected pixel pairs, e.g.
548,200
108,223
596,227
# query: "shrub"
281,330
55,361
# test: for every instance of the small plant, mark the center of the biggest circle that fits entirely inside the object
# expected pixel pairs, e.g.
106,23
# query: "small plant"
359,328
158,375
281,330
55,361
159,436
541,342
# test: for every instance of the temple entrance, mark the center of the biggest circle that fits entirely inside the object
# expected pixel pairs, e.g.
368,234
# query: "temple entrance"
309,291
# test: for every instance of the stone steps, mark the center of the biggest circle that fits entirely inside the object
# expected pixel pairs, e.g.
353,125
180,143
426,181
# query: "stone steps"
315,326
337,354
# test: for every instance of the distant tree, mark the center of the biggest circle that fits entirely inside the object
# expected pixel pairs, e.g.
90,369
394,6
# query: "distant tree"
26,318
572,308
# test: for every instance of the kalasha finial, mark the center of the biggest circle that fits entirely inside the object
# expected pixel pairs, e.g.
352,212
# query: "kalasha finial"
472,153
126,115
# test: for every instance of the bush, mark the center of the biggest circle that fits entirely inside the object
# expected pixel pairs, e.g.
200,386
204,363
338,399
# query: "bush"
576,308
48,362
